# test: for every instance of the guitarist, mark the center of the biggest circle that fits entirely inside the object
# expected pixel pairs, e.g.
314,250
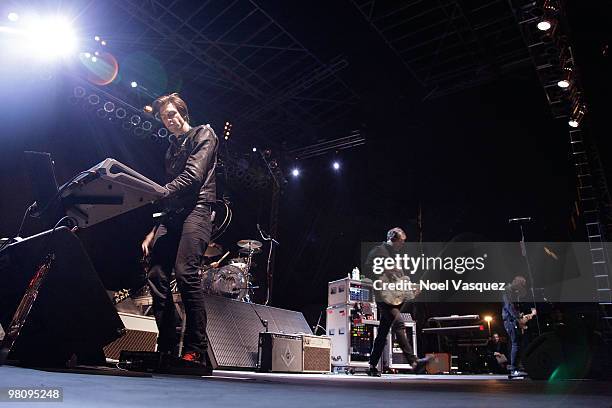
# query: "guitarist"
389,313
515,323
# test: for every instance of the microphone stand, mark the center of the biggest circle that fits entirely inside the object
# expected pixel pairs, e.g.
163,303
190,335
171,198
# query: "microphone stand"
524,254
273,242
318,326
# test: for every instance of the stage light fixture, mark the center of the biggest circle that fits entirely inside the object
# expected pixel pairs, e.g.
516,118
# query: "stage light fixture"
13,16
254,149
94,59
135,120
134,84
79,91
103,42
567,78
93,99
162,132
336,165
101,112
87,55
146,125
295,172
126,125
97,38
139,132
120,113
577,115
227,129
548,21
109,107
544,25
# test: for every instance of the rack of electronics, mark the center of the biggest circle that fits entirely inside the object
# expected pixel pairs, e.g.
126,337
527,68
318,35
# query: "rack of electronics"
393,356
351,323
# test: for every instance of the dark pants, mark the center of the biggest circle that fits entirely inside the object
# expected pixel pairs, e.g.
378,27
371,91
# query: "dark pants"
493,365
515,344
390,317
180,243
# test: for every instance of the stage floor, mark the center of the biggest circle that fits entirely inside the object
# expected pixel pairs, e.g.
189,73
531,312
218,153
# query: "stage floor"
249,389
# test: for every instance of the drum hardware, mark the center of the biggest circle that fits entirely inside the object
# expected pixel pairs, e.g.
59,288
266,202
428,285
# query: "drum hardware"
268,237
249,244
213,250
249,251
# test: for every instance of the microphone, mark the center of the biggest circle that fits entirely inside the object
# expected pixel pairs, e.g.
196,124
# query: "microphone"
520,220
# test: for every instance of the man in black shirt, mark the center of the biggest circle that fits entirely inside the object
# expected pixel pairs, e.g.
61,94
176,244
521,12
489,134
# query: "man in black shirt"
390,314
180,240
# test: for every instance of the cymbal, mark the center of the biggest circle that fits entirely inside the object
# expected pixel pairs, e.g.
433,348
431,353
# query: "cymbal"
249,243
247,250
213,250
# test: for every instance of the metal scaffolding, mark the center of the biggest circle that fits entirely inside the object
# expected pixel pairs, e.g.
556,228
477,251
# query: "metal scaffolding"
448,45
245,65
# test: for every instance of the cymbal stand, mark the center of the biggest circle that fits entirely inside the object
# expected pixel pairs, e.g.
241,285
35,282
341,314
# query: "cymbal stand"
267,237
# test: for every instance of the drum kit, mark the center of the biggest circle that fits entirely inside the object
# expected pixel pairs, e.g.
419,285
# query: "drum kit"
234,279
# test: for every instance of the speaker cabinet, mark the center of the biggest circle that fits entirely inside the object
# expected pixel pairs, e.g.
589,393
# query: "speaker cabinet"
233,329
72,313
141,335
316,353
280,353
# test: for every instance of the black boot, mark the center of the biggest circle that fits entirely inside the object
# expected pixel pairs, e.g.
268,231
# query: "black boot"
373,372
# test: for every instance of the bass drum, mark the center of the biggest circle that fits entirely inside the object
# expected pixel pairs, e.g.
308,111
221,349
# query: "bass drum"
221,218
228,281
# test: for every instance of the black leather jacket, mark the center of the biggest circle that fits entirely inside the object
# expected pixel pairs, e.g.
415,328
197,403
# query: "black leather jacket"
190,168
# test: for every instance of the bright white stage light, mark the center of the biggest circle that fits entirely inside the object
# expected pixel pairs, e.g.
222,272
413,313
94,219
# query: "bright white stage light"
51,37
13,17
94,59
564,83
134,84
573,123
544,25
295,172
254,149
336,165
97,38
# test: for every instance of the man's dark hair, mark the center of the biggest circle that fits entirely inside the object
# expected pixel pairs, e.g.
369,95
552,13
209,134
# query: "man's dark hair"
174,99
